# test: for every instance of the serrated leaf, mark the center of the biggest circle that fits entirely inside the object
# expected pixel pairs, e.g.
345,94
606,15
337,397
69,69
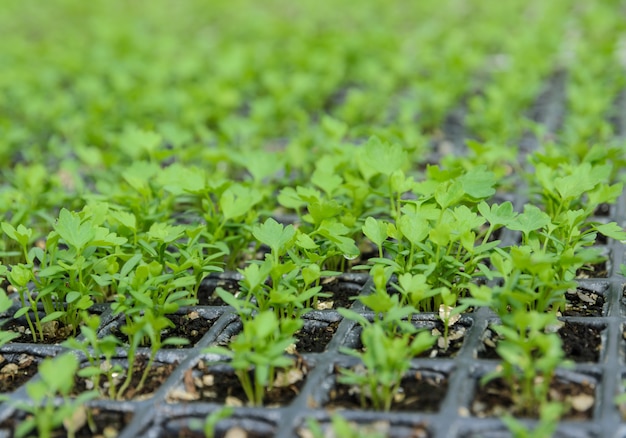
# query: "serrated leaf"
530,220
449,193
72,231
237,200
611,230
274,235
497,214
377,157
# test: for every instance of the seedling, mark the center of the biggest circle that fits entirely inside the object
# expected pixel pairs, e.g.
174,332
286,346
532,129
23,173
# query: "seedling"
258,351
50,404
386,358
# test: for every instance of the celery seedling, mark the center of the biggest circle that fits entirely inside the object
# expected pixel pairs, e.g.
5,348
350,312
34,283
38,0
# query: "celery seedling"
258,351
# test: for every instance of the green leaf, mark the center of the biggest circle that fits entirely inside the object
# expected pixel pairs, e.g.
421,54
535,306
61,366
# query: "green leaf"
414,228
327,180
72,231
611,230
22,235
104,237
478,182
238,200
497,214
449,193
377,157
530,220
165,233
375,230
275,235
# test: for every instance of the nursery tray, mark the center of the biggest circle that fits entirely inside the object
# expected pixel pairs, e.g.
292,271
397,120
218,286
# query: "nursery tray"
443,397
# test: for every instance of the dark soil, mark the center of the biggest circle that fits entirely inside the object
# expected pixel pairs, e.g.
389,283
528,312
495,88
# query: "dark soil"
315,339
16,371
107,424
190,326
54,332
456,336
260,431
583,303
222,386
494,399
596,270
208,297
581,342
602,210
419,392
341,293
156,376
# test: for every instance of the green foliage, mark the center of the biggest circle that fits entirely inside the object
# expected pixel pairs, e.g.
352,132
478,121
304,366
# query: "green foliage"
48,413
258,351
386,358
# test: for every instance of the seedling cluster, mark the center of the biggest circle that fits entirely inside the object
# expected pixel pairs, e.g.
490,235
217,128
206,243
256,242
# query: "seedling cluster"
464,158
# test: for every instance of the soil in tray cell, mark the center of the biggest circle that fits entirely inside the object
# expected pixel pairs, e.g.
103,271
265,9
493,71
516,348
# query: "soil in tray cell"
581,342
158,374
596,270
583,303
342,294
419,392
375,428
315,338
54,332
444,347
208,297
202,383
495,399
15,370
190,326
228,428
106,423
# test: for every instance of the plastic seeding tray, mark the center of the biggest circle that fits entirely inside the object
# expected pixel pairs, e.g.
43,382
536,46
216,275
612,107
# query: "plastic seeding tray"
444,384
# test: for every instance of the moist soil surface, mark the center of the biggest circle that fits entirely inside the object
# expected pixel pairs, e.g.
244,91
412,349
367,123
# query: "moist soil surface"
419,392
341,292
442,348
105,424
54,332
190,326
16,371
222,386
581,342
157,375
595,270
233,432
208,297
583,303
495,399
315,339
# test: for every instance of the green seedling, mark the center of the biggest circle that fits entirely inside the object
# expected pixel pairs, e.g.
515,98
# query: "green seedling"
258,351
386,358
51,405
340,427
99,352
531,353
